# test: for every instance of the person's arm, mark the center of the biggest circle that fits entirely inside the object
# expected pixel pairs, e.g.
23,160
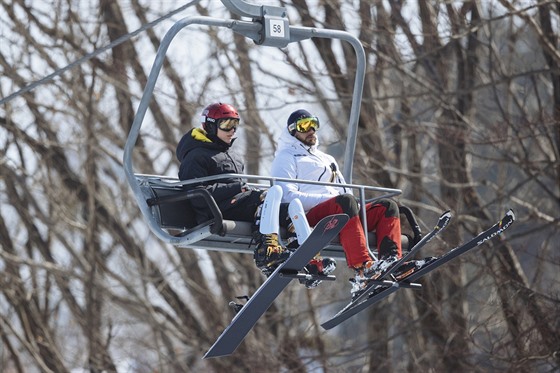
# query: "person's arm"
284,165
197,167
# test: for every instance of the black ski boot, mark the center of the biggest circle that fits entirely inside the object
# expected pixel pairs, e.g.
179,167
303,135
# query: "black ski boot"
318,266
269,253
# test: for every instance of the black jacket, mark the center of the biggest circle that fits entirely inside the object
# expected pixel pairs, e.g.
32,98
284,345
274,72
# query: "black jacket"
200,157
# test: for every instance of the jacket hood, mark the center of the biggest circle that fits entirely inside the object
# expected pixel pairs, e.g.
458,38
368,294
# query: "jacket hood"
291,142
199,138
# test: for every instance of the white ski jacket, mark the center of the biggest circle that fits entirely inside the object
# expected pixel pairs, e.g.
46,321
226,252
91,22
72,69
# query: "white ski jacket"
295,160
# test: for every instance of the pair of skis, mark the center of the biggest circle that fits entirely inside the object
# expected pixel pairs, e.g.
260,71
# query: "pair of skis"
380,281
373,292
386,284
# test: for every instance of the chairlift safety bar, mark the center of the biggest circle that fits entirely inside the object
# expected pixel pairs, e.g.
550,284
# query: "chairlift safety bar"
156,180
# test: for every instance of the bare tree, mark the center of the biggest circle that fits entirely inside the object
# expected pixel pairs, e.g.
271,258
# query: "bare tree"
461,110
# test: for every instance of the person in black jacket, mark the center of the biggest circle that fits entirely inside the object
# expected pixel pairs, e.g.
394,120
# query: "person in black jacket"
207,151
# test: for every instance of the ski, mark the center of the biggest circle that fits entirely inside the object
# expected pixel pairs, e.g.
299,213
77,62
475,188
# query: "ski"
248,314
382,292
442,223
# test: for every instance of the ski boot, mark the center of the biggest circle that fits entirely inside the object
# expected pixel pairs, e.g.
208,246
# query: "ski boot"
370,270
318,266
269,253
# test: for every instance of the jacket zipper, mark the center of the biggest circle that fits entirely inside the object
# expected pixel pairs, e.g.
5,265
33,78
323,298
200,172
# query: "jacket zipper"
320,159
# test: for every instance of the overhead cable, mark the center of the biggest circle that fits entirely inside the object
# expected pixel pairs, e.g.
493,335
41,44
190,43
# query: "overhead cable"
96,52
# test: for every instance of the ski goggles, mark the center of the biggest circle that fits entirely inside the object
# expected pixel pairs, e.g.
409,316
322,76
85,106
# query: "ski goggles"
228,124
304,125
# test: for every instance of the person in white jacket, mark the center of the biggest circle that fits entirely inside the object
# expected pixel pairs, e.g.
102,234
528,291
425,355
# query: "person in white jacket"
298,157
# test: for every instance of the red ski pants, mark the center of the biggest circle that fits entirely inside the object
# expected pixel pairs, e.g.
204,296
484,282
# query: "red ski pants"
382,216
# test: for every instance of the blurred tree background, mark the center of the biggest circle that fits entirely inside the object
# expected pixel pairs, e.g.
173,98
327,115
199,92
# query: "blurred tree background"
461,111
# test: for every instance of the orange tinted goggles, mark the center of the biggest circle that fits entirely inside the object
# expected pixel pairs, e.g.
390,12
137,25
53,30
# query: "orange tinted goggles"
228,124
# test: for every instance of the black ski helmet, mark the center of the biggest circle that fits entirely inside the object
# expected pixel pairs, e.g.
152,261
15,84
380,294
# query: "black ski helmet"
294,117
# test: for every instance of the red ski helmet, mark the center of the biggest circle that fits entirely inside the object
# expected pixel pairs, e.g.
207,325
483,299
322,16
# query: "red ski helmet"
213,113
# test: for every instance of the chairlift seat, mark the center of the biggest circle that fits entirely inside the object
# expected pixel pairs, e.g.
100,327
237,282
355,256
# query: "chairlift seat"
173,212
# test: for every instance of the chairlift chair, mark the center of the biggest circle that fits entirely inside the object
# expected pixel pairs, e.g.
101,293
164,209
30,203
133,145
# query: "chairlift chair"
163,200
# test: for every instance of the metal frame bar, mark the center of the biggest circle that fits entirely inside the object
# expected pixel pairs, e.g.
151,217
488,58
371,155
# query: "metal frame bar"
173,181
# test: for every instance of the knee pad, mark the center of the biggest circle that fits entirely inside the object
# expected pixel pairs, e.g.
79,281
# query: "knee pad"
348,204
391,208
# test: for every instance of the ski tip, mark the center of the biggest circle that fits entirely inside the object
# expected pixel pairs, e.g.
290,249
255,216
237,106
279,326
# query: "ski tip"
446,215
212,353
510,214
443,220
